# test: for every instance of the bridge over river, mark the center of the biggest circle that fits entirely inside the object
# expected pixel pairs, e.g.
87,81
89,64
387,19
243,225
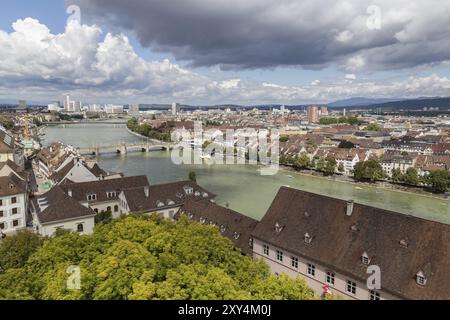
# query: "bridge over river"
125,148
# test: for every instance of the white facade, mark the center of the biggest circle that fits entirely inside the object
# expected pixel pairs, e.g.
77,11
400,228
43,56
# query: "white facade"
13,212
315,275
84,226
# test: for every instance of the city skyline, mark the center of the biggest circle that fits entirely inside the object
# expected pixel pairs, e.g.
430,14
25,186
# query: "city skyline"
290,53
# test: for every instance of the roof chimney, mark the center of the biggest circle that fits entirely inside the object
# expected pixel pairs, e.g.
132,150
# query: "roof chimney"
146,191
350,205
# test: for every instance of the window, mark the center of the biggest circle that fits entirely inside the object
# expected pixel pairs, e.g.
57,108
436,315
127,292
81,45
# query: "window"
351,287
15,223
116,208
14,211
2,226
13,200
365,258
1,202
2,214
330,278
96,210
311,270
294,262
237,235
108,209
374,295
80,227
421,280
266,249
279,255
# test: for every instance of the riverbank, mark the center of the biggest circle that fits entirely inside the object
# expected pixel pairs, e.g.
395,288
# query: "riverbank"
376,185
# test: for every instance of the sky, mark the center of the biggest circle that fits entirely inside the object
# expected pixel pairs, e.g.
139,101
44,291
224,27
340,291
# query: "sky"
205,52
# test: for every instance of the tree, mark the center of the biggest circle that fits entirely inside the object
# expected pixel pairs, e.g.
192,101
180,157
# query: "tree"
192,176
140,257
439,181
330,165
103,217
15,250
373,127
346,144
370,170
284,139
397,175
341,168
303,162
411,177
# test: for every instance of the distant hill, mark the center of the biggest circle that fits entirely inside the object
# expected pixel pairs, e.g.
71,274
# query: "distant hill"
441,103
359,102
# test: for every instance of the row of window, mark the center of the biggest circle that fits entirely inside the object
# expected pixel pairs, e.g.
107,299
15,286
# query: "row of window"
12,200
4,213
14,224
311,271
109,209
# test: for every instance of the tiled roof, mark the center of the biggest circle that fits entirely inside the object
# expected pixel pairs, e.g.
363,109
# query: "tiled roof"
164,196
56,206
233,225
11,185
400,245
80,191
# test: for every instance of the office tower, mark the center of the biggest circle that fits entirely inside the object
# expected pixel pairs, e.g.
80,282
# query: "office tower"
313,114
174,109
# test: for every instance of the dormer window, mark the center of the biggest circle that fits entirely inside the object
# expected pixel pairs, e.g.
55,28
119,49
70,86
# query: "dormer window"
205,195
223,228
160,204
421,279
308,238
278,228
202,220
190,216
404,243
365,258
170,202
236,235
188,190
91,197
197,193
250,242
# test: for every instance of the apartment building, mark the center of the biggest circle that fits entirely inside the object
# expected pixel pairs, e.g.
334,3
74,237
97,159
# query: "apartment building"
56,210
331,244
10,149
13,203
103,195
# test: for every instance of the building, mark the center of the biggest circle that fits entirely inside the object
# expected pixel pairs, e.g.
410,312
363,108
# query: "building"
324,111
52,158
67,103
392,160
164,199
113,109
133,110
54,106
313,114
233,225
174,109
77,171
331,243
103,195
10,149
13,202
56,210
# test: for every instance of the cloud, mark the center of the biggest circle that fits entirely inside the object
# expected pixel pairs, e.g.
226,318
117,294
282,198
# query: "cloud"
236,34
97,67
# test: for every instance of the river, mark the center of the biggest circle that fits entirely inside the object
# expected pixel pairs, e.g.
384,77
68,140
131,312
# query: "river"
242,187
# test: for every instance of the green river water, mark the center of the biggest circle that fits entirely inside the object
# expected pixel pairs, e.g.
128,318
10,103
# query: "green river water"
241,187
